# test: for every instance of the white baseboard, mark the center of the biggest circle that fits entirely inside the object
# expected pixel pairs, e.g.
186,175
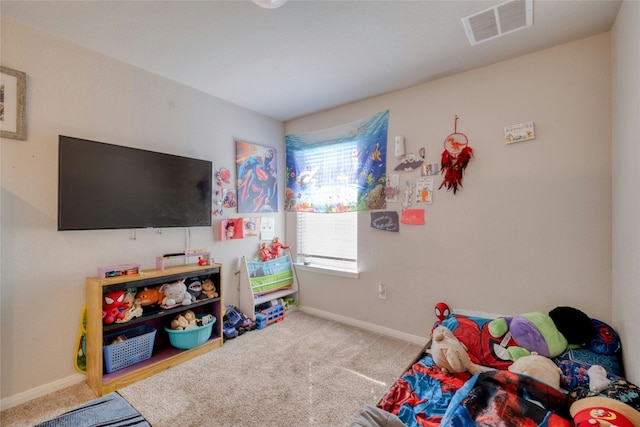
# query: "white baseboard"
43,390
364,325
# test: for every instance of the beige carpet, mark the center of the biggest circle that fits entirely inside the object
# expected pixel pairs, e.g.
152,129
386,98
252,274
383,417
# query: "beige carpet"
304,371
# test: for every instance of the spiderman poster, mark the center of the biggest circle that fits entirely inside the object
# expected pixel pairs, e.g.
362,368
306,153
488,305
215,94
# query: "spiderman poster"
256,172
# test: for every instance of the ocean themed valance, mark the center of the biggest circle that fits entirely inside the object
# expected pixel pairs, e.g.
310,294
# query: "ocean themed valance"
341,169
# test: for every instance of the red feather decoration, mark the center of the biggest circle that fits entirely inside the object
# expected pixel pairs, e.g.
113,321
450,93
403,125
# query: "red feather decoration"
453,168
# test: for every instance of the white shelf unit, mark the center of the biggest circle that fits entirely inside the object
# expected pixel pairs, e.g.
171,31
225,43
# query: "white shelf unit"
264,273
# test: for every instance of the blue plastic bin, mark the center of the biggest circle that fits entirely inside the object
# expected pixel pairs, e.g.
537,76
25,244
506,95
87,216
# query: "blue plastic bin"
137,347
191,338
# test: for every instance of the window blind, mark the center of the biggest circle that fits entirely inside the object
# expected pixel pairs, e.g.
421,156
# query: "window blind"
328,240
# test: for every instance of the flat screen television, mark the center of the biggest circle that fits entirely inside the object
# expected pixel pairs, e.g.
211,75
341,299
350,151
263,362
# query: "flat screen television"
106,186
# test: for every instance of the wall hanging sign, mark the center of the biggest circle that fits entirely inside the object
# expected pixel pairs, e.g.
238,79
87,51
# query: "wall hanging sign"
519,132
409,163
455,158
385,221
13,95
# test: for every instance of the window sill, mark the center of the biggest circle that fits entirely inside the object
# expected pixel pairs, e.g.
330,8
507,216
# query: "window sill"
328,270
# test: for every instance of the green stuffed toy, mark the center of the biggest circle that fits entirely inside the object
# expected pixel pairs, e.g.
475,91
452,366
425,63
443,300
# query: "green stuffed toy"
533,332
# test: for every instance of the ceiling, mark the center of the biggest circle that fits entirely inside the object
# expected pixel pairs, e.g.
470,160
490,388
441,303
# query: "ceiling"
308,55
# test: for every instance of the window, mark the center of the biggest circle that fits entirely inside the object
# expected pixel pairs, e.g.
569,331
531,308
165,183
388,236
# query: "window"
328,240
331,175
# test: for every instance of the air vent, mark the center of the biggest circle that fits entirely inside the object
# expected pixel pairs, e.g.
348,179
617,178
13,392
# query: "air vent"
505,18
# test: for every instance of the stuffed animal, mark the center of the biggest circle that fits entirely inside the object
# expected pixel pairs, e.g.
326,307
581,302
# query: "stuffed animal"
175,294
209,289
539,367
179,323
149,296
188,320
113,306
195,289
449,354
134,310
206,319
575,325
532,332
598,380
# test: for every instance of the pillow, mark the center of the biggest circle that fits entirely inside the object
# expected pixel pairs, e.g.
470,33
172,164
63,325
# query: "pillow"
573,324
606,341
588,357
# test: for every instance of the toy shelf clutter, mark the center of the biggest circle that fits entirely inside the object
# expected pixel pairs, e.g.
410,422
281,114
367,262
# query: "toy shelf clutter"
160,261
163,354
262,282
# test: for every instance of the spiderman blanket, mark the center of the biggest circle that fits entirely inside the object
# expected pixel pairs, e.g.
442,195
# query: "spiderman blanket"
425,396
420,397
503,398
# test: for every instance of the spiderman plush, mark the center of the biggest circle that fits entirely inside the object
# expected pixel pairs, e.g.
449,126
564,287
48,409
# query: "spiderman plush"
114,306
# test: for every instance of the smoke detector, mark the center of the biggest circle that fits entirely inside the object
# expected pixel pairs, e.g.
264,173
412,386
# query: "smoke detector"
499,20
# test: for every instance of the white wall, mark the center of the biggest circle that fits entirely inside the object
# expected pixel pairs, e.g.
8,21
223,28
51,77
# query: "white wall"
626,176
75,92
530,230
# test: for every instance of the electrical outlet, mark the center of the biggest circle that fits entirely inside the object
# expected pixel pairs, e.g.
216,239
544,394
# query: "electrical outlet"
382,291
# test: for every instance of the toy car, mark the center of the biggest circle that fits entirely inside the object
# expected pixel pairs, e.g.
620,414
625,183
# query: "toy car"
236,323
247,324
229,333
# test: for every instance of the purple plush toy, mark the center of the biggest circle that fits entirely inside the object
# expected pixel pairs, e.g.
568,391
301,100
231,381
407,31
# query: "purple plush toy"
533,332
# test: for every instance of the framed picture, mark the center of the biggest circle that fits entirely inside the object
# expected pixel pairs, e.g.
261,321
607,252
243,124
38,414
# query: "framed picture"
256,174
13,94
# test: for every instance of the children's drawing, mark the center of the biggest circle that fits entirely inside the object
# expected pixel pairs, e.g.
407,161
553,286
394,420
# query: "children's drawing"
424,190
251,226
229,198
391,190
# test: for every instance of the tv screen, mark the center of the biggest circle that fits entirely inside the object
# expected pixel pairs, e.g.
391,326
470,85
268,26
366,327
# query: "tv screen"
105,186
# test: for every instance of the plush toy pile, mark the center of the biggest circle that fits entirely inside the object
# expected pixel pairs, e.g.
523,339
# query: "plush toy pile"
188,320
561,368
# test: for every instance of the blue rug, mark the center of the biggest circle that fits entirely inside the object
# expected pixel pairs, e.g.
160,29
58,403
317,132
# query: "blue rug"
111,410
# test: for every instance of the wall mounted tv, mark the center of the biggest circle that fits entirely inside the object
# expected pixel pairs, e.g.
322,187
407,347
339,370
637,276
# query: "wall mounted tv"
105,186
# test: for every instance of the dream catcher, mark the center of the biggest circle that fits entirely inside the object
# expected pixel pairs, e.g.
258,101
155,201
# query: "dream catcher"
455,158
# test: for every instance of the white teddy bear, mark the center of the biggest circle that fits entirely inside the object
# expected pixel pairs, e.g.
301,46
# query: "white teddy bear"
175,294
